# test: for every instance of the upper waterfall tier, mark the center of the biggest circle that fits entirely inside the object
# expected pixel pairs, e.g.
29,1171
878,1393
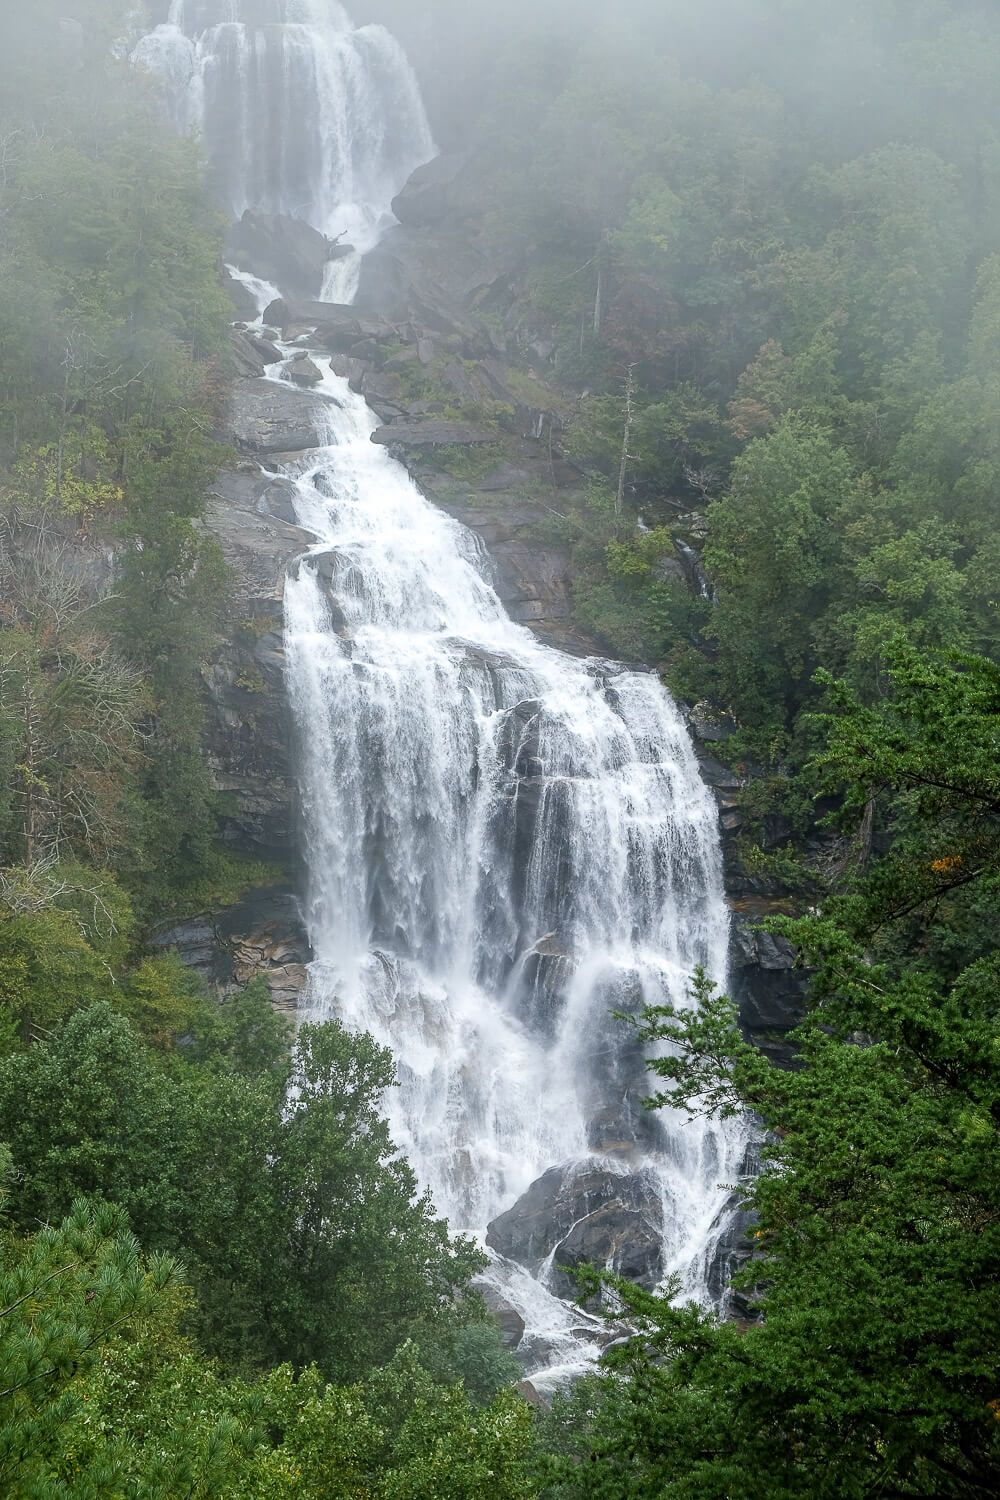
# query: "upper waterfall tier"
300,111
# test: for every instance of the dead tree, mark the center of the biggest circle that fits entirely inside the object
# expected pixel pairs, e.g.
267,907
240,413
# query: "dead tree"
627,454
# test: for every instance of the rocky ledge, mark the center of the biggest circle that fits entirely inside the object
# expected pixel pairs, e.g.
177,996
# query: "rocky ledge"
261,937
250,511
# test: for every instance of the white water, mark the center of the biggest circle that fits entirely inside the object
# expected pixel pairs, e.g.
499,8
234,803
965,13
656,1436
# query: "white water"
471,797
504,843
300,112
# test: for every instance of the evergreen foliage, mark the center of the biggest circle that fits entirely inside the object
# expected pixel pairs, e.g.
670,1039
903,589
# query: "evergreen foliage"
782,219
778,230
871,1363
113,326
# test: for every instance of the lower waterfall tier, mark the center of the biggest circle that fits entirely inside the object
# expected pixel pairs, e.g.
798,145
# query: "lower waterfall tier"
507,846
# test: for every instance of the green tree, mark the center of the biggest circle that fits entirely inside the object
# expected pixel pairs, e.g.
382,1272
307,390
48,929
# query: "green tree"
273,1174
873,1368
772,549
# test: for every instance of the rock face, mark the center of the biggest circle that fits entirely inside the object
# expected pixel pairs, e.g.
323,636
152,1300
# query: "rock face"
585,1215
508,1319
769,986
268,418
531,575
432,435
261,937
249,731
284,251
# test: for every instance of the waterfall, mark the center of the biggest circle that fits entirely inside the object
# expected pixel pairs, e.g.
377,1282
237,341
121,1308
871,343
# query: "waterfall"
300,112
505,844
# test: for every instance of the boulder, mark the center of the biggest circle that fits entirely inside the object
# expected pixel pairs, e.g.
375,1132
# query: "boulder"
283,250
533,1396
353,371
386,394
303,371
248,362
334,324
434,194
369,350
583,1213
265,348
269,418
508,1318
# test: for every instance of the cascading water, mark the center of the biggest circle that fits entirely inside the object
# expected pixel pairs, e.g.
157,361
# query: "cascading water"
301,112
505,844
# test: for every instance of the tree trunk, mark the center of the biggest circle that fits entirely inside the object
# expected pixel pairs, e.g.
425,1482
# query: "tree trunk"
626,439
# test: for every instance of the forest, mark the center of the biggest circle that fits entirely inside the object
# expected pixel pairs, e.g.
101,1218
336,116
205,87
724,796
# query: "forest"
764,236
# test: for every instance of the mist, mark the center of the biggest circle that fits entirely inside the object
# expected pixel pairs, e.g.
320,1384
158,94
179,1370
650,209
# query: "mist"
499,791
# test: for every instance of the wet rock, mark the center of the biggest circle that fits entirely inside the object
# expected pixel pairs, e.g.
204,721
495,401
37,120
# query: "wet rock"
248,731
266,938
335,325
302,371
768,985
264,348
244,303
543,976
247,359
269,418
195,942
283,250
627,1239
734,1250
262,936
353,371
532,1395
532,576
585,1214
508,1318
252,514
